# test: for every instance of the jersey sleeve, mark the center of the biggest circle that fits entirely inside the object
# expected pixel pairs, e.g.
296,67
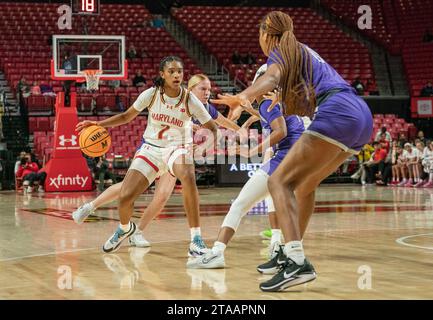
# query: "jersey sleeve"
274,57
213,111
197,109
144,99
269,116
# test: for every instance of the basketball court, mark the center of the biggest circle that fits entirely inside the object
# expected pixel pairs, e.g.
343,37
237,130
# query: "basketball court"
365,242
355,232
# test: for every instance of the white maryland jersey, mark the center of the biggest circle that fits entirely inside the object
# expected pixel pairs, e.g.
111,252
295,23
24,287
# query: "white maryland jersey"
169,122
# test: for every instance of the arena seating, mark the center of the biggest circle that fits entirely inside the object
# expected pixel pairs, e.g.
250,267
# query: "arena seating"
399,26
125,139
394,126
25,46
222,30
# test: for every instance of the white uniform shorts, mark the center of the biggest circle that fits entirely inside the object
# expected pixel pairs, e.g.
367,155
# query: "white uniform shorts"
153,161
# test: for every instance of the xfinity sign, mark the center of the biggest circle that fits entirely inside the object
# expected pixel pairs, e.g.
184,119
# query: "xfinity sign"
68,181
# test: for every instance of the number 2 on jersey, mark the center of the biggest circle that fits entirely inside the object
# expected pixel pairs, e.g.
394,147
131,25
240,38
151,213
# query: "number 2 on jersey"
164,129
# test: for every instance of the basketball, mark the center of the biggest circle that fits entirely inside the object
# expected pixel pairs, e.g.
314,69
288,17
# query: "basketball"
95,141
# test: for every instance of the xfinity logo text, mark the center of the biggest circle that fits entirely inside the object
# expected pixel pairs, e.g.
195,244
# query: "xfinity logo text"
68,181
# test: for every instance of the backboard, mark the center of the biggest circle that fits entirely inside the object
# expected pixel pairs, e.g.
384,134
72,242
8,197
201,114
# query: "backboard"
72,54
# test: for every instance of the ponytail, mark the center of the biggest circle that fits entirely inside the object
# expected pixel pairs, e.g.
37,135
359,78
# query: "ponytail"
295,64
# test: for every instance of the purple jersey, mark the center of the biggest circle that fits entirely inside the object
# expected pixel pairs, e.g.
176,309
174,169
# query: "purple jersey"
325,78
212,111
295,125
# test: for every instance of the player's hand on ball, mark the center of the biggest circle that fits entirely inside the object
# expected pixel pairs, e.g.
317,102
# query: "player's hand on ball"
84,124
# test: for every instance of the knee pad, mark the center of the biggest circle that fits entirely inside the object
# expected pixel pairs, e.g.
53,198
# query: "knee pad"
254,190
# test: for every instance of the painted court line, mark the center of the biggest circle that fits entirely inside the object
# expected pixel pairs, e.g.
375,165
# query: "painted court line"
403,239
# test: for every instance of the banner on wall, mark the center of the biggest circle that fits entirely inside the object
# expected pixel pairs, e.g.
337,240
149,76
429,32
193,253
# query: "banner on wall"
422,107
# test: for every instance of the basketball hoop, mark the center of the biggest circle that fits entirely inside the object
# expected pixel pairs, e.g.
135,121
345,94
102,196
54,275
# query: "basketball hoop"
92,79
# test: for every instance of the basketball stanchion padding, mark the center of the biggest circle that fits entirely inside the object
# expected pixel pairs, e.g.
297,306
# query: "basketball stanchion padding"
95,141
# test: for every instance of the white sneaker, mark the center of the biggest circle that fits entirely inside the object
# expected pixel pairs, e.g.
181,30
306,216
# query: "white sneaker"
208,260
29,189
138,240
114,242
82,213
197,247
41,189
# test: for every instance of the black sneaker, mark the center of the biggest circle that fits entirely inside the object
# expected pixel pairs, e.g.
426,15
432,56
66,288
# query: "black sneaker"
290,274
273,265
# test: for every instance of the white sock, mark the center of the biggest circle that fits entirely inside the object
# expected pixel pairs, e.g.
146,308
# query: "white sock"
92,205
295,251
125,227
276,235
195,232
218,247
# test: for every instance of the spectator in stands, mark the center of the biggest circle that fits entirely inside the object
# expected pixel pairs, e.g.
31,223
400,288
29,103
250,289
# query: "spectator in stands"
236,57
411,158
102,173
384,173
428,36
359,86
385,142
249,59
157,21
21,156
421,137
371,167
23,87
382,131
422,176
396,158
402,140
427,163
47,90
132,52
427,91
36,89
139,80
29,172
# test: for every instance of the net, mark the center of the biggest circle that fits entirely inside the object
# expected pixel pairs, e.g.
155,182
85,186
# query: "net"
92,79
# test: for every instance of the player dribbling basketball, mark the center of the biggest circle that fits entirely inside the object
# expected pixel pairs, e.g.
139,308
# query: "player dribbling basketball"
167,147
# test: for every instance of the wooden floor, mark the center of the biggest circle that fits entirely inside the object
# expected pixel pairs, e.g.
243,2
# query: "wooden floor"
365,243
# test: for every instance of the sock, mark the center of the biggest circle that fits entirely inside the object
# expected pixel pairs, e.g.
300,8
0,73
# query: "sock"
295,251
125,227
195,232
276,235
92,205
218,247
